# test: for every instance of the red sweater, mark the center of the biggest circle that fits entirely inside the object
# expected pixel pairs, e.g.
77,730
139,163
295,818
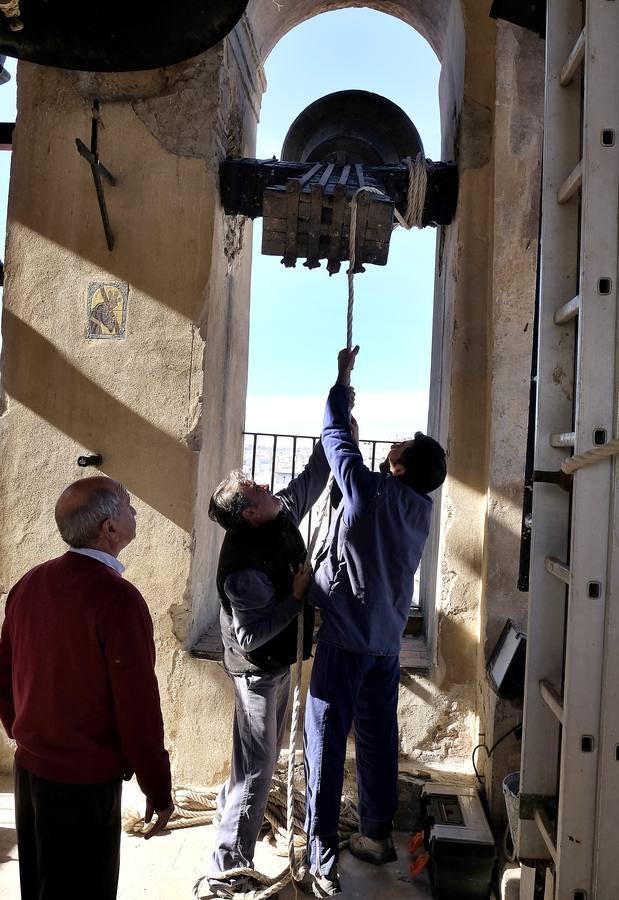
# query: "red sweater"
78,690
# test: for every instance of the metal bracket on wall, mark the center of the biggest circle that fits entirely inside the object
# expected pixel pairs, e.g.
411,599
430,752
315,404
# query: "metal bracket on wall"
98,172
559,478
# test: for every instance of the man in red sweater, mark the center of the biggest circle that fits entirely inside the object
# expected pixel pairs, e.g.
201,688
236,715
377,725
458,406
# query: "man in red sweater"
79,696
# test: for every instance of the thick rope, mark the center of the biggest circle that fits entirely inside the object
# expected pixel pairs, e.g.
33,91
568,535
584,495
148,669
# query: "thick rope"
352,240
197,806
604,451
11,10
416,194
297,867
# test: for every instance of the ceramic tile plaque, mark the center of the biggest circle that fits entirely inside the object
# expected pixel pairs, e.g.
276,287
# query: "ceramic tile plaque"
106,310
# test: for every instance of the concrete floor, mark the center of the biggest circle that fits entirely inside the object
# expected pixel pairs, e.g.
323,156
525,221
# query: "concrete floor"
167,867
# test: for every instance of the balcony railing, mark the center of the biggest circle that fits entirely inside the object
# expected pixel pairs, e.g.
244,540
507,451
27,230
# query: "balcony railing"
274,459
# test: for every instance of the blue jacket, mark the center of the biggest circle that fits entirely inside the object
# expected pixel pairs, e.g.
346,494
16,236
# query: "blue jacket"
363,582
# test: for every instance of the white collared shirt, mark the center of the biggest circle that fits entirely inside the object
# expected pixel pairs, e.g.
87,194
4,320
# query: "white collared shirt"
102,556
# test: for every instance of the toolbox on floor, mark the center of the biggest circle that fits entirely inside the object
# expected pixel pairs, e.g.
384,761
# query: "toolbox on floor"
459,841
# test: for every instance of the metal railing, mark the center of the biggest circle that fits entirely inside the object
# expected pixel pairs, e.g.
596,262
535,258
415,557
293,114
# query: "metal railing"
275,459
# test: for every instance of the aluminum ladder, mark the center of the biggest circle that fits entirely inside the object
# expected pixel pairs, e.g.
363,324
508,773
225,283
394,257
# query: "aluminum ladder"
569,780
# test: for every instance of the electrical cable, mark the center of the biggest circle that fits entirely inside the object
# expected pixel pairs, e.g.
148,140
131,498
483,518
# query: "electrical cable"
492,749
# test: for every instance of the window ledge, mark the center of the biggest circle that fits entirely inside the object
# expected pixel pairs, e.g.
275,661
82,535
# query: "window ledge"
413,655
208,645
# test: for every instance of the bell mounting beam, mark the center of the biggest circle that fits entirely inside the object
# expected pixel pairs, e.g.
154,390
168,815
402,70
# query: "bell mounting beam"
243,182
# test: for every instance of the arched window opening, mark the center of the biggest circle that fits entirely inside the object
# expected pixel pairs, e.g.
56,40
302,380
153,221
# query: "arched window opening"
298,316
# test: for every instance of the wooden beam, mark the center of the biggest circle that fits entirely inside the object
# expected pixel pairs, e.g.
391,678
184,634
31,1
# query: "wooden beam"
243,182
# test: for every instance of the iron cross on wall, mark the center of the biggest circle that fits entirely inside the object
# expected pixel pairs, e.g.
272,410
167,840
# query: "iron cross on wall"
98,172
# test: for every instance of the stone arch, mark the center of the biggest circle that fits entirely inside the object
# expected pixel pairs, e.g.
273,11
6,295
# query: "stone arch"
440,22
271,21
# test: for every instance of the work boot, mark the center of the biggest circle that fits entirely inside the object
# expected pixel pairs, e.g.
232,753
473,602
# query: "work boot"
370,850
315,885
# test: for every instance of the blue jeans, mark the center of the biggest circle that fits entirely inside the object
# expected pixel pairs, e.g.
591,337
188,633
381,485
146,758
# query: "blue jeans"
258,730
350,687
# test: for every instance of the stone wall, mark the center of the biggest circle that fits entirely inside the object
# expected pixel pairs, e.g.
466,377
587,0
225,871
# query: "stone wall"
146,394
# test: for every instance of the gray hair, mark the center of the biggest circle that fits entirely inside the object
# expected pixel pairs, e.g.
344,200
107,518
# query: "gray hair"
229,501
81,527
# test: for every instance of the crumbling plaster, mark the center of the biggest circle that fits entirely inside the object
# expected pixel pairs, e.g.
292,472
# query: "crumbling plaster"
166,405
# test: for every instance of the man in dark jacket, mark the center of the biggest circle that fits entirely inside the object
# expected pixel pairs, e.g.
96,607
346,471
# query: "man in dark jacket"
79,696
363,585
262,579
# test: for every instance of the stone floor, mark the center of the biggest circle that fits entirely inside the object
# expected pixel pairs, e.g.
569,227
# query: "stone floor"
166,867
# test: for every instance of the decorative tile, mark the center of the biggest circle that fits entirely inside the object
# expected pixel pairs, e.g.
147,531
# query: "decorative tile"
106,310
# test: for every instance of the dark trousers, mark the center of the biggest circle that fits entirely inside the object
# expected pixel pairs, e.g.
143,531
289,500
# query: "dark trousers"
68,838
345,688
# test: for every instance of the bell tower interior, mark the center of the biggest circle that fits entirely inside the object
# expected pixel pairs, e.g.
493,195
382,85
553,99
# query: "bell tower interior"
132,340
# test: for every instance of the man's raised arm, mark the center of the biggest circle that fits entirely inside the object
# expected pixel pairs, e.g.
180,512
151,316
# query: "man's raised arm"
304,490
352,475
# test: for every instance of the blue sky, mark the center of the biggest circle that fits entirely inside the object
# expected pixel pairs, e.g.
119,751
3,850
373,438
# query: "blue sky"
298,317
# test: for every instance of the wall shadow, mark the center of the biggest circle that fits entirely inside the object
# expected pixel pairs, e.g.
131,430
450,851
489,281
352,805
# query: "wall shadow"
150,463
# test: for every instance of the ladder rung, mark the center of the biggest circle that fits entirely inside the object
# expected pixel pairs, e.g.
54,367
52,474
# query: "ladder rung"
568,311
574,60
551,698
563,439
571,184
557,568
546,830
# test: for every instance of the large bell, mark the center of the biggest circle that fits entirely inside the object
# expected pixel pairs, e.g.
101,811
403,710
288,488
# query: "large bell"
352,127
114,35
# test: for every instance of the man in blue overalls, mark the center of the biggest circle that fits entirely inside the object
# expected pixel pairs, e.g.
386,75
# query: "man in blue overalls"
363,585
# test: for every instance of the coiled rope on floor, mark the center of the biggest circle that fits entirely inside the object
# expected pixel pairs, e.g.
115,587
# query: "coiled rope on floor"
10,8
198,806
